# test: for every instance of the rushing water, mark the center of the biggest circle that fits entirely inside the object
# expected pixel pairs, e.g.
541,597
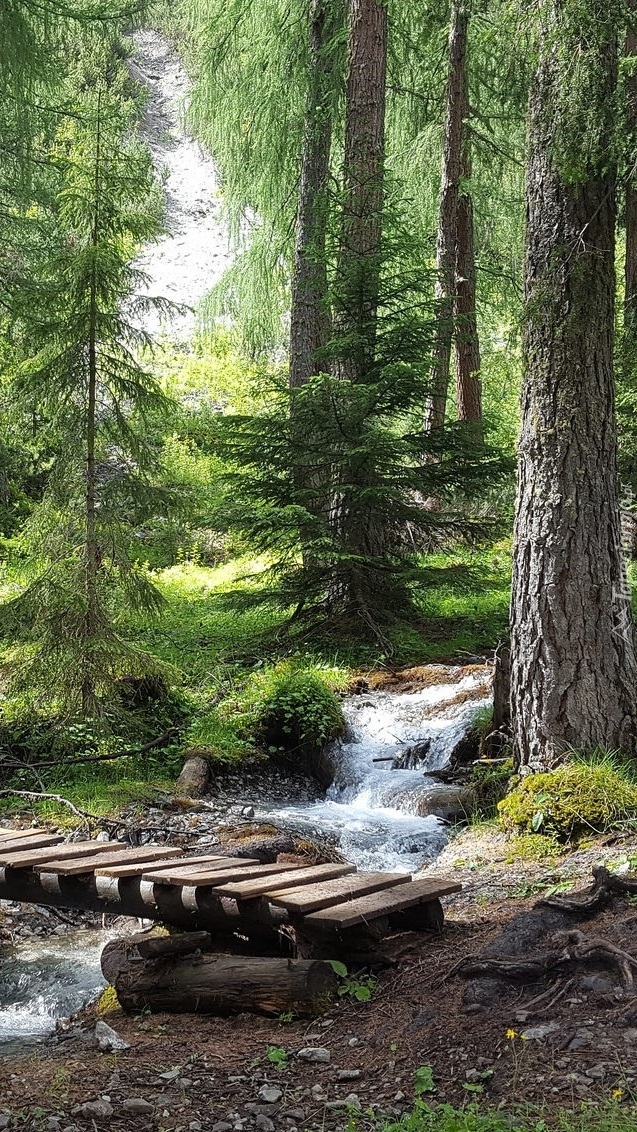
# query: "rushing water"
372,811
45,981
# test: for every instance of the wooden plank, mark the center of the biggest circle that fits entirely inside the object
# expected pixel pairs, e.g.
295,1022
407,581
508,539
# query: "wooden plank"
27,858
26,834
324,895
383,903
14,844
214,877
162,865
75,866
251,889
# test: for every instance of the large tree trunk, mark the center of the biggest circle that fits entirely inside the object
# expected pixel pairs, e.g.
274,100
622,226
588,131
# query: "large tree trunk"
309,315
630,276
573,670
456,106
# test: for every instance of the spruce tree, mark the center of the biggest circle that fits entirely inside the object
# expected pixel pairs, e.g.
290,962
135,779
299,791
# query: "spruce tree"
77,321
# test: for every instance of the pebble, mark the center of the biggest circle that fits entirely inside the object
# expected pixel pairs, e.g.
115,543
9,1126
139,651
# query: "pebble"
268,1093
195,1126
138,1106
354,1042
222,1126
352,1101
399,1096
169,1075
264,1123
94,1109
108,1039
347,1074
5,1119
538,1033
317,1055
295,1113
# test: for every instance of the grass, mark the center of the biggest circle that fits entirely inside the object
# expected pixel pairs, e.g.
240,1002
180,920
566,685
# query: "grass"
609,1116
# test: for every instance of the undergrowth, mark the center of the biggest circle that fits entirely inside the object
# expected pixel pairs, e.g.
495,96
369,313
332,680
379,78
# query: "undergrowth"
610,1116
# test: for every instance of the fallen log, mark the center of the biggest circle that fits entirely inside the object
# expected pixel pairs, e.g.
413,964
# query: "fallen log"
217,984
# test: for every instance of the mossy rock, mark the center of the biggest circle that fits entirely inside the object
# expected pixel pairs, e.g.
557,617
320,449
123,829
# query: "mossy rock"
577,798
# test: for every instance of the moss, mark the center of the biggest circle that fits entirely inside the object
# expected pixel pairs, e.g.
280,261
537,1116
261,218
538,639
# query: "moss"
532,847
578,798
108,1001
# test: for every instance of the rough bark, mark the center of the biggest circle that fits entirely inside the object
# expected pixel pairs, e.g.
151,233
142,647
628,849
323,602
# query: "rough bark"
630,268
217,984
465,326
455,111
309,315
573,669
360,243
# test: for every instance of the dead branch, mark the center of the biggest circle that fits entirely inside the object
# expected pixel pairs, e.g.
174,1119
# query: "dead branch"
11,764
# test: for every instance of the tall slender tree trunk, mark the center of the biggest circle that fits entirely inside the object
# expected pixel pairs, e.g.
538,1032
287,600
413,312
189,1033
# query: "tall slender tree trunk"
309,315
455,112
355,524
573,668
91,550
466,341
360,243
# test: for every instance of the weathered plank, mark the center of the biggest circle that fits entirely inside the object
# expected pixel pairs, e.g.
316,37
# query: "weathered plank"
252,889
382,903
214,877
327,893
76,866
157,866
18,835
27,858
35,841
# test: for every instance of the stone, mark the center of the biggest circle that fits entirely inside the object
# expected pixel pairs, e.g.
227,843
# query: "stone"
352,1100
138,1106
596,1072
195,1126
94,1110
169,1075
247,812
444,800
296,1114
316,1055
596,983
5,1119
222,1126
582,1039
348,1074
194,780
107,1038
399,1096
268,1093
539,1033
264,1123
354,1042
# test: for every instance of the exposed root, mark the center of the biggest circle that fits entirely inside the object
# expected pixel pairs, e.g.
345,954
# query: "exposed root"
604,885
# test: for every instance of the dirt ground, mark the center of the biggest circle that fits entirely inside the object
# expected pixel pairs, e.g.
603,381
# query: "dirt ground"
202,1074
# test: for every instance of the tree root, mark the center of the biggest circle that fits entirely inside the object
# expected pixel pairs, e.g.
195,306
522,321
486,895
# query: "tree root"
604,886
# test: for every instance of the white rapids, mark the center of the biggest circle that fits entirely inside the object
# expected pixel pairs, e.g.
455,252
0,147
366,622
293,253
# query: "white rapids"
194,251
45,981
371,810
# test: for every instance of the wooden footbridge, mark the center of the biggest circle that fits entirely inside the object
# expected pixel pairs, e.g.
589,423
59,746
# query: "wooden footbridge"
326,908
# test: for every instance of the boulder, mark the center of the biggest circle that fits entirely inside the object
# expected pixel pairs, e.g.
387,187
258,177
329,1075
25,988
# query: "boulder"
448,801
194,779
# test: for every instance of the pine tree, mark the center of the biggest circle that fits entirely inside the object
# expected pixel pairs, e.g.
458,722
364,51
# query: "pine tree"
78,320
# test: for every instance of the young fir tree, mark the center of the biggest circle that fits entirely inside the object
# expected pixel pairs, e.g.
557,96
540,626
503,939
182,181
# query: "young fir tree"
78,322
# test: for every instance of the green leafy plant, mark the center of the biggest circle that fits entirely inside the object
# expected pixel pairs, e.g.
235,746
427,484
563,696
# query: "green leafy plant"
424,1081
278,1056
360,987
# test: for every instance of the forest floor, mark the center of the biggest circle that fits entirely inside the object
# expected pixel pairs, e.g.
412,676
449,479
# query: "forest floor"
423,1029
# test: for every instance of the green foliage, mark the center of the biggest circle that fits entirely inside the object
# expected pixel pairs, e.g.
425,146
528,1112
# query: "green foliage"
584,796
424,1081
278,1057
359,987
489,785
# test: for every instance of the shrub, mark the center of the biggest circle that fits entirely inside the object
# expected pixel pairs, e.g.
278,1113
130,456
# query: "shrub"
490,782
298,709
586,795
